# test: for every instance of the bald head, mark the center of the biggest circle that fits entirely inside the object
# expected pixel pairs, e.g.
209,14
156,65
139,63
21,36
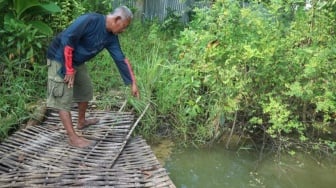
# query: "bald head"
124,12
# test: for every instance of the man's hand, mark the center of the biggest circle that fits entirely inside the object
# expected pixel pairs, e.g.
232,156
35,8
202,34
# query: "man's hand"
69,78
135,91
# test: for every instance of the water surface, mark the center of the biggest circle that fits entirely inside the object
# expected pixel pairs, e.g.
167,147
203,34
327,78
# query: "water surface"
220,168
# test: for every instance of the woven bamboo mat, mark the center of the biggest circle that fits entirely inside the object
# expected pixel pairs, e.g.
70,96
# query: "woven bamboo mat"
40,156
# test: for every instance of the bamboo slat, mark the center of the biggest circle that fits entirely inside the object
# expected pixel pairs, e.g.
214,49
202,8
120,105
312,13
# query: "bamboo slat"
40,156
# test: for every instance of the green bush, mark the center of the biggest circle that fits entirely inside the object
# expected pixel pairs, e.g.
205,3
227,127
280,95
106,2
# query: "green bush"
275,73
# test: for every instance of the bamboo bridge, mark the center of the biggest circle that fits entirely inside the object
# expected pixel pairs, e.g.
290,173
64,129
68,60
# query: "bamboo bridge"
40,156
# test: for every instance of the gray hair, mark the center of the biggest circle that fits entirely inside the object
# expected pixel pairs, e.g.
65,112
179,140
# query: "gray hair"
124,12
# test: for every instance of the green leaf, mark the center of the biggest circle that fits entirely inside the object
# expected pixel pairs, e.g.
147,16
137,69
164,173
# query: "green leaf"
44,9
34,7
3,3
51,8
21,6
41,27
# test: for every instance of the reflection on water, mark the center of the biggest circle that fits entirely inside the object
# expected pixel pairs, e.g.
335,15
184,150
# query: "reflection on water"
220,168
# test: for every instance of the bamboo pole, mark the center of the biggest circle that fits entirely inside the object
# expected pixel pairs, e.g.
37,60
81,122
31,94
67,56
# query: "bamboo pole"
129,134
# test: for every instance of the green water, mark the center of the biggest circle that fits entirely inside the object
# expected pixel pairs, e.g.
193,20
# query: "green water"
220,168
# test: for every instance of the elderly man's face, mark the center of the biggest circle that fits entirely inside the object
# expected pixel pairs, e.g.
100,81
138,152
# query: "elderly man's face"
120,25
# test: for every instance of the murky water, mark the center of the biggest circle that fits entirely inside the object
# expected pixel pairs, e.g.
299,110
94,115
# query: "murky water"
220,168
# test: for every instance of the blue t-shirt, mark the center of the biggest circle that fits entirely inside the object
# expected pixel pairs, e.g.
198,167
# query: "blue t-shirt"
88,36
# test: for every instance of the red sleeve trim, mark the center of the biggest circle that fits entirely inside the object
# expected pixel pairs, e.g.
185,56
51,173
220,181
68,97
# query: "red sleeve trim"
68,60
130,70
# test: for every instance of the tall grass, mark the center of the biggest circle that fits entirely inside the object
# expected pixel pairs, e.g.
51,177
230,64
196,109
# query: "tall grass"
20,89
163,82
146,48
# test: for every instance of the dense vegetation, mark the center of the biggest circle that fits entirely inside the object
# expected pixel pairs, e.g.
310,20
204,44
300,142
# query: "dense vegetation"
259,73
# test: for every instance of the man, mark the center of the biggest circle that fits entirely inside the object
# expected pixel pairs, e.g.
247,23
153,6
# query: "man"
68,79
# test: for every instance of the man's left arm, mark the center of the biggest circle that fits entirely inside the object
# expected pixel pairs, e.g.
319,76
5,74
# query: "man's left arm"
124,67
134,87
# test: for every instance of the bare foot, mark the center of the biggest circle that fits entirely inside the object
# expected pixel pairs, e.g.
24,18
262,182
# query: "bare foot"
87,123
80,142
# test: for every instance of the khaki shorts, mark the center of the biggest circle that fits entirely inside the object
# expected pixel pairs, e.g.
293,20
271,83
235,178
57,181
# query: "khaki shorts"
59,95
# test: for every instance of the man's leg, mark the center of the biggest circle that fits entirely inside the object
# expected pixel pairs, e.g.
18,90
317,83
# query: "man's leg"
74,139
83,92
82,122
60,98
